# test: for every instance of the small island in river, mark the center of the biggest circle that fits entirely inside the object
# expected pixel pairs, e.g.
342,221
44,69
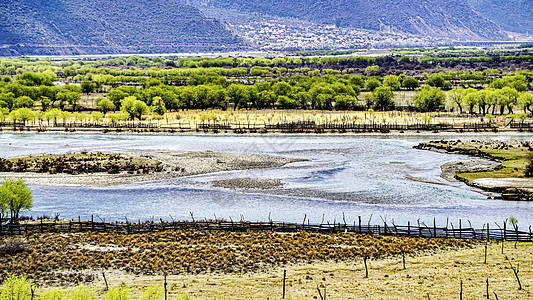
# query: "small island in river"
500,167
107,169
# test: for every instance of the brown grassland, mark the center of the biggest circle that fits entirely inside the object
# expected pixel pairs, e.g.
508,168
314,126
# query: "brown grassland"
222,265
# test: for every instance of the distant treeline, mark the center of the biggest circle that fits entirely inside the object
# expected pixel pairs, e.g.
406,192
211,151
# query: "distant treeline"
135,88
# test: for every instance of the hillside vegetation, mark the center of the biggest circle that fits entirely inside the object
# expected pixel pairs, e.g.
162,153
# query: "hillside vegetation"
104,26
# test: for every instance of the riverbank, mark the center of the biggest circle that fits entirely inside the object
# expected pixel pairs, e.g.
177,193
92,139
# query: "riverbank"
172,164
500,167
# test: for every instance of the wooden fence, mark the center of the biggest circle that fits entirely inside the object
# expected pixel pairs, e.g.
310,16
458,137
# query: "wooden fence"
506,232
309,125
288,126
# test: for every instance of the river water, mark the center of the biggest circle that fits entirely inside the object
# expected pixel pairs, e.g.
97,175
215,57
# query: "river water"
353,176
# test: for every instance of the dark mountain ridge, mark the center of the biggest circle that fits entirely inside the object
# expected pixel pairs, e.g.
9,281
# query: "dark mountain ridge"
105,26
514,16
451,18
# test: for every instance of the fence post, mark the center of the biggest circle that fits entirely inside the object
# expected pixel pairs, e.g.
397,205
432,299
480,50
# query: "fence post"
460,229
434,228
504,231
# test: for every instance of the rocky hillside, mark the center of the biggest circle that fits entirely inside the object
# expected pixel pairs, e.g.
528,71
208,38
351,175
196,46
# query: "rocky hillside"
511,15
452,18
108,26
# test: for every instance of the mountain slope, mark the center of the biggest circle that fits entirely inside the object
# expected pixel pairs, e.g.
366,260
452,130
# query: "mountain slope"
514,15
451,18
106,26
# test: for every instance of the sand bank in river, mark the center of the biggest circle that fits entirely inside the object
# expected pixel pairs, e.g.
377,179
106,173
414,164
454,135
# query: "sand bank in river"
175,164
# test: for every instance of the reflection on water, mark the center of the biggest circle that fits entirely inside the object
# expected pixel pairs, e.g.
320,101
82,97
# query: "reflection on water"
355,175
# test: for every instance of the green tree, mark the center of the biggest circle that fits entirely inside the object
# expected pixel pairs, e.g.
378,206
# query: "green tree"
382,97
525,100
16,196
105,105
88,87
135,108
22,114
45,102
456,97
53,114
509,99
436,80
393,81
237,94
158,106
97,116
372,84
371,70
429,98
24,101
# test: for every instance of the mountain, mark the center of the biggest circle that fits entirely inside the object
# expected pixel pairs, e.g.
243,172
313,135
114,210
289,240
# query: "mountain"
514,15
64,27
451,18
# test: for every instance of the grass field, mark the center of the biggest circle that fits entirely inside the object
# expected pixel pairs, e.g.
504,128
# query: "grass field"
435,274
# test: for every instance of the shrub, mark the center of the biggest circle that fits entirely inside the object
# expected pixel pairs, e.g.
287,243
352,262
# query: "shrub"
118,293
16,288
529,167
184,297
14,245
82,293
53,294
152,292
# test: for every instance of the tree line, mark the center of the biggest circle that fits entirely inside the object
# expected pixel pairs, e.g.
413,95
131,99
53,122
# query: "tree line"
148,91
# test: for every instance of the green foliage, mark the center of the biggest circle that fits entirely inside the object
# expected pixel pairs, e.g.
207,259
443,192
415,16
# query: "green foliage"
82,293
22,114
53,294
429,99
371,70
24,101
16,288
133,107
184,297
88,86
15,196
105,105
392,81
118,117
382,97
372,84
436,80
410,83
152,292
209,117
158,106
97,116
118,293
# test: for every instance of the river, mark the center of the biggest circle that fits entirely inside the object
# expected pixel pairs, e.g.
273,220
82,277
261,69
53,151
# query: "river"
351,175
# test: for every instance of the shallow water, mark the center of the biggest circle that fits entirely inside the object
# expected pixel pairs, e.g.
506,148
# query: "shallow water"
355,175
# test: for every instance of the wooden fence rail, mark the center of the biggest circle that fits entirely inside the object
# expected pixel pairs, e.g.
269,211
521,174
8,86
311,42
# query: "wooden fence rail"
485,233
288,126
